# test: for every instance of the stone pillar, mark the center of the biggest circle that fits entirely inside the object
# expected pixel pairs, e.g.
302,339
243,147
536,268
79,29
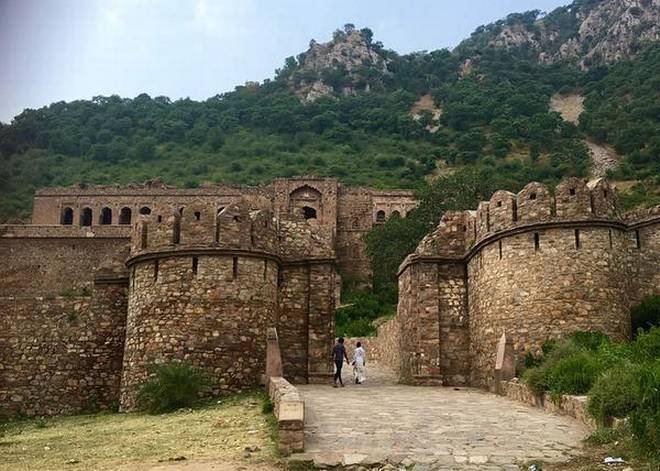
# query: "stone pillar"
273,356
505,361
321,321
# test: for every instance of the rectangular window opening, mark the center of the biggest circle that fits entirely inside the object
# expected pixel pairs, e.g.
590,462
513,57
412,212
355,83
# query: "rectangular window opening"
499,246
156,270
195,264
265,269
234,268
537,243
610,234
577,239
638,240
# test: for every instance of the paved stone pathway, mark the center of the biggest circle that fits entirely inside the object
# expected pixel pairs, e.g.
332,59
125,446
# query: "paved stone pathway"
431,427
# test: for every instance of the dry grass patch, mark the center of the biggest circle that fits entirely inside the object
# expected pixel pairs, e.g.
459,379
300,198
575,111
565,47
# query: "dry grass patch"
218,433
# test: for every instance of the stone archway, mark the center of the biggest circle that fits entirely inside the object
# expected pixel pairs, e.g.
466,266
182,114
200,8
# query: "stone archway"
306,201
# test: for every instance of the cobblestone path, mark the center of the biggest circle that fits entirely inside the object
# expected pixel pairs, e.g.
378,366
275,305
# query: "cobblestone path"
432,427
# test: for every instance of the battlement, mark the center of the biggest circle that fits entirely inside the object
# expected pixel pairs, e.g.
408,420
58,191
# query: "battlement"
235,227
574,201
200,225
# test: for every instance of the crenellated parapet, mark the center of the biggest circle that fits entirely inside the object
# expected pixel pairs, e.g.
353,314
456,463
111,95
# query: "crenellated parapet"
574,200
201,226
450,239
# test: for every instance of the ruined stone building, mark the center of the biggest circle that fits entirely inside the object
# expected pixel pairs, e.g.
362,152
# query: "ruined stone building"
533,265
108,280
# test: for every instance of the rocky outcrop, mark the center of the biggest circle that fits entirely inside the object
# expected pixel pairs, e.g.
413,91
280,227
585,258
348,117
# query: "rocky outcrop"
338,66
587,32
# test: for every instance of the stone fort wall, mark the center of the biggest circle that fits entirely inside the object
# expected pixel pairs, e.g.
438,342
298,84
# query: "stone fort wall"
531,265
86,308
349,212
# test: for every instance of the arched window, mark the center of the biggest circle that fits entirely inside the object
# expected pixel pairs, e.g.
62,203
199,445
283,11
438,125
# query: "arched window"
395,213
380,216
86,217
67,217
145,210
125,216
106,216
309,212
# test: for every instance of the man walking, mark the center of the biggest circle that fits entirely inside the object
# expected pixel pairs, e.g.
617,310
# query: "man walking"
338,356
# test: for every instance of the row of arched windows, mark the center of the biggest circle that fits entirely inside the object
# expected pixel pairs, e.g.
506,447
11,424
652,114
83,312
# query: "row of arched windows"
105,216
380,215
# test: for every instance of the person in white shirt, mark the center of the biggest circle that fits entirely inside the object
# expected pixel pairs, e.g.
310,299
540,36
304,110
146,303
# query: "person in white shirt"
359,362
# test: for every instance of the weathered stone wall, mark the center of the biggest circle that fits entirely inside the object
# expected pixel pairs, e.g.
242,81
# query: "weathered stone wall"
383,348
533,294
643,257
434,323
215,318
61,262
61,355
353,222
535,266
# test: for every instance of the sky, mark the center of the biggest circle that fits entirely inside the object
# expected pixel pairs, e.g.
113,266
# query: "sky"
54,50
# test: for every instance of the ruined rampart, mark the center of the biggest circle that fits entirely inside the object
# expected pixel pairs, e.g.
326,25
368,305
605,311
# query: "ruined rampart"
532,265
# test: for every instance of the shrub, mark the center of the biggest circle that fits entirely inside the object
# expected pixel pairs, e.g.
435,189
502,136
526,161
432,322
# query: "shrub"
647,346
646,314
645,419
591,341
574,374
537,379
615,393
171,386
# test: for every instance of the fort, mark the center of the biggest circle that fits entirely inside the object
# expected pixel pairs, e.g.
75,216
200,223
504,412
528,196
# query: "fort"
108,280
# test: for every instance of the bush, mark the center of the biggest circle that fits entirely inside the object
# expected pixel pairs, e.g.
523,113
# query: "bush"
537,379
645,419
590,341
171,386
569,366
615,393
574,374
647,346
645,315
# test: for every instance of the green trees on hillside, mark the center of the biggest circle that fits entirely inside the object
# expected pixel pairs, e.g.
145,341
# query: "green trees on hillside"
494,118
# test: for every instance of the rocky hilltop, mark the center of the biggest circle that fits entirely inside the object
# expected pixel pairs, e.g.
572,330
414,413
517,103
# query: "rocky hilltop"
589,32
349,63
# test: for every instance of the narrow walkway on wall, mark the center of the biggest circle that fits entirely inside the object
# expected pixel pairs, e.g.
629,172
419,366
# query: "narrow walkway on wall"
380,421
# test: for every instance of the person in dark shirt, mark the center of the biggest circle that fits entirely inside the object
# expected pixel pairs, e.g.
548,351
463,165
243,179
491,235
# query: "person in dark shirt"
338,356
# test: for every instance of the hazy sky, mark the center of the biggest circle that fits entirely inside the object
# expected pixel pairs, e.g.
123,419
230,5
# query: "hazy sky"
52,50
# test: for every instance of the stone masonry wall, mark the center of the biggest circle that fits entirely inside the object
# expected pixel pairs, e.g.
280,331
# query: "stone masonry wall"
57,264
434,322
62,355
533,294
215,318
538,266
383,348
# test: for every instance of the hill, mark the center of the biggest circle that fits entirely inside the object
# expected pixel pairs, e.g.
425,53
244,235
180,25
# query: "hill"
352,109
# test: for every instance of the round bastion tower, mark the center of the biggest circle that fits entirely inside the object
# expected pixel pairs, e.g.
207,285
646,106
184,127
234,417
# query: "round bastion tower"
203,288
544,266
